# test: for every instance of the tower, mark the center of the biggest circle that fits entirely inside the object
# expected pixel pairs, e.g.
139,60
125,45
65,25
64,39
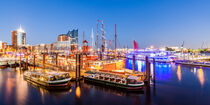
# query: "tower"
14,39
18,38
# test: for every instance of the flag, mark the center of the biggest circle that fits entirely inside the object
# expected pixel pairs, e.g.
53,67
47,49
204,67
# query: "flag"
110,43
135,45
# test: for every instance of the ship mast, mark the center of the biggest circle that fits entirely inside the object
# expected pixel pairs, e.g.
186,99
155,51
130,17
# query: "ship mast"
97,36
115,41
102,45
92,36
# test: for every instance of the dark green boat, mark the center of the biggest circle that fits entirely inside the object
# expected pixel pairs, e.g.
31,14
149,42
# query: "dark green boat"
127,82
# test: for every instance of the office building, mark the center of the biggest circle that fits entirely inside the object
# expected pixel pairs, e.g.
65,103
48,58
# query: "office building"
18,38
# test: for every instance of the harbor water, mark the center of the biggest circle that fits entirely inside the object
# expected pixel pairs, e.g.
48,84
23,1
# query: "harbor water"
174,85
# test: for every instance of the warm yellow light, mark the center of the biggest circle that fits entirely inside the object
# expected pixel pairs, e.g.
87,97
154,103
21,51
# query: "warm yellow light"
78,92
201,76
42,79
179,75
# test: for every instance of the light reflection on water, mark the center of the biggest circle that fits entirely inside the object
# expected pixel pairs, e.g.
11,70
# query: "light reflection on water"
164,71
1,80
179,73
173,84
200,75
21,89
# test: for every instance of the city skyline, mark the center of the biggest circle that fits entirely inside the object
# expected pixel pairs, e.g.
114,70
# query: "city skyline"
158,23
104,52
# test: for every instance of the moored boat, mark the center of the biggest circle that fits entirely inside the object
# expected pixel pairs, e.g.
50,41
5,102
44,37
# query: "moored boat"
193,63
3,65
127,82
50,80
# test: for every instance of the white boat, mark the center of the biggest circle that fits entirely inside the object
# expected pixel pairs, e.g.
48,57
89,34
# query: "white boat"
193,63
50,80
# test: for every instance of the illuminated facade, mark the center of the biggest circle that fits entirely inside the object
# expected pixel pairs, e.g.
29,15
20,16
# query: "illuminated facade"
18,38
67,42
14,39
63,37
21,37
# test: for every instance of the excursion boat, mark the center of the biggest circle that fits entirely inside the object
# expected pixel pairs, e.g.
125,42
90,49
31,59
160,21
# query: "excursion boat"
162,59
127,82
3,64
50,80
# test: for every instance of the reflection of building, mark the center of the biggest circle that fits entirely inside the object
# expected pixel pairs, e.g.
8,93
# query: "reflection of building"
18,38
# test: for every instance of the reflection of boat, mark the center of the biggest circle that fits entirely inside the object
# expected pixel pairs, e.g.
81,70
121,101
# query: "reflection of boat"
121,81
3,65
111,90
193,63
50,80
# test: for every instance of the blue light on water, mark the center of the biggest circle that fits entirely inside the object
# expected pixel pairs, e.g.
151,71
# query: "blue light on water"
162,70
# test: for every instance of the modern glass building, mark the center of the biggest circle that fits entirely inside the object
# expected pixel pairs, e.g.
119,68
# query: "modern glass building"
73,36
18,38
21,37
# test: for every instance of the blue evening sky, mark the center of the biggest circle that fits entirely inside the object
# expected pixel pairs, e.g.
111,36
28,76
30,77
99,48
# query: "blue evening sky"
149,22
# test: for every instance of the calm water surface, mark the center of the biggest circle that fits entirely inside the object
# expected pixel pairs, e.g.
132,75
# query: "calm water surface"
175,85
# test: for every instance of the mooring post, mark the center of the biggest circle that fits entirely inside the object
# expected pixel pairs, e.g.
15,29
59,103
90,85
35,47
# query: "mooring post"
20,61
27,62
101,57
79,59
56,59
147,70
76,67
154,87
34,62
44,62
134,57
15,61
154,69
